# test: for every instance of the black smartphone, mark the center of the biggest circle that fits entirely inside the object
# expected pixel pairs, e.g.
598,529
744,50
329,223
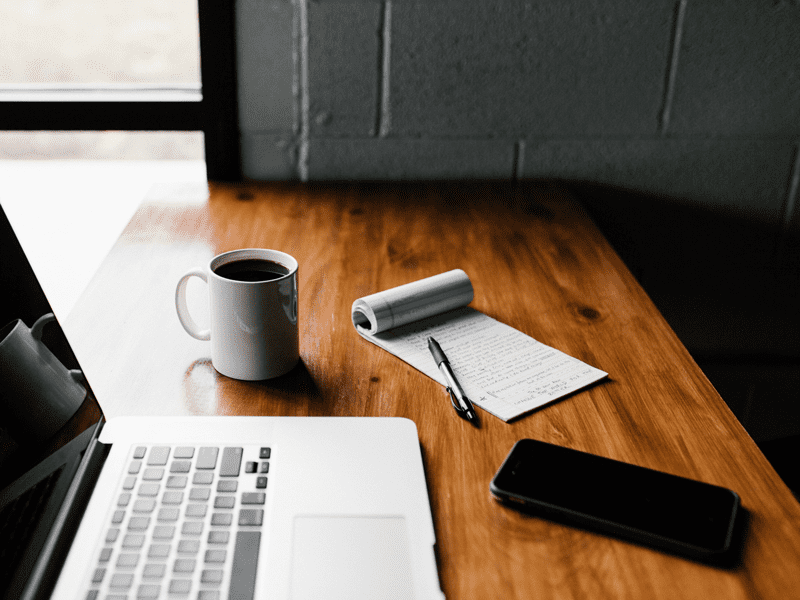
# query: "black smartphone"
681,515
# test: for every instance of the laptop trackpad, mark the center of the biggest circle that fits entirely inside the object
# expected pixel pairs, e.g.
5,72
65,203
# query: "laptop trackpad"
350,558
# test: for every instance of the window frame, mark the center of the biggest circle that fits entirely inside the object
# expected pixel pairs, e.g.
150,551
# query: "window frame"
210,107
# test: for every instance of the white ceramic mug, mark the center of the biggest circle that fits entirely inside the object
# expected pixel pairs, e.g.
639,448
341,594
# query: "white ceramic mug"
253,328
38,394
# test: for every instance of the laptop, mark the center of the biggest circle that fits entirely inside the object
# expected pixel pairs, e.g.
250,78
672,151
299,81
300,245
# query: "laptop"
201,508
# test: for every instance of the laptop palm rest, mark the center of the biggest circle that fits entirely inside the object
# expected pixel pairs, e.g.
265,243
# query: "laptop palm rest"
350,557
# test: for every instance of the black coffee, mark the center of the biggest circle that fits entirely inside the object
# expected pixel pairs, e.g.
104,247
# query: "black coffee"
251,269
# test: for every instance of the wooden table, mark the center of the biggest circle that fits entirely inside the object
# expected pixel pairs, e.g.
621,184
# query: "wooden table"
537,263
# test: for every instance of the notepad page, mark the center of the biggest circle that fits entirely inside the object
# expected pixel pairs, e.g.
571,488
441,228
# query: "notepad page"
502,370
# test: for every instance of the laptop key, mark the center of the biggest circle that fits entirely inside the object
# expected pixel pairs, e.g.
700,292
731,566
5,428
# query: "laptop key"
154,571
177,481
192,528
139,452
216,556
134,467
158,456
218,537
149,489
127,560
221,519
168,515
163,532
183,452
196,510
245,561
253,497
138,523
224,501
200,494
153,474
208,595
144,505
133,540
172,498
148,591
207,458
98,576
124,498
180,466
231,461
105,554
158,551
180,586
261,483
264,453
121,581
213,576
203,478
251,516
128,483
184,565
227,485
188,546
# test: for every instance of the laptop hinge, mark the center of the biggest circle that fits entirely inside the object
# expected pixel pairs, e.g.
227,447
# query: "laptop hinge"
51,559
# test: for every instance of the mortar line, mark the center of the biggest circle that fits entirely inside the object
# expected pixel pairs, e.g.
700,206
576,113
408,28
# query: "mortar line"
383,119
789,206
672,68
519,158
302,158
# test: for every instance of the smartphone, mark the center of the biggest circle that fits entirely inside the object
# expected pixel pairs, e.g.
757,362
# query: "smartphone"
681,515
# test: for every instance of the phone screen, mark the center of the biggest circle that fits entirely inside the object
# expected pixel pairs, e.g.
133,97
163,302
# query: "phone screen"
633,501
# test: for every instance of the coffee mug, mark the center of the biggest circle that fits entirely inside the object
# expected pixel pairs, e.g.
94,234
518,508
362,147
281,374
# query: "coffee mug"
253,302
38,394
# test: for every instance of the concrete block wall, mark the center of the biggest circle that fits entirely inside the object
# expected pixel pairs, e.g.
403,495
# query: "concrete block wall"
697,99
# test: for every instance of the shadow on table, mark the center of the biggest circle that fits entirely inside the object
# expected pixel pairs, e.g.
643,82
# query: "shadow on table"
731,560
207,392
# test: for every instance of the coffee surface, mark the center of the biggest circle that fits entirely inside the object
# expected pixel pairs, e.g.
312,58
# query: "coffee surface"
251,269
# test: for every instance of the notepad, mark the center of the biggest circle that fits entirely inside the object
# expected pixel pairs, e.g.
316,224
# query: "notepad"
502,370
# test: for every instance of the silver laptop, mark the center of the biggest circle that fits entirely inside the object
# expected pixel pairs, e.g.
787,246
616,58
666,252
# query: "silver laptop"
204,508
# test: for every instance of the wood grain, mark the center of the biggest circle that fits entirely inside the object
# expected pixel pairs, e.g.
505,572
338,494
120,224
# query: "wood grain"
537,263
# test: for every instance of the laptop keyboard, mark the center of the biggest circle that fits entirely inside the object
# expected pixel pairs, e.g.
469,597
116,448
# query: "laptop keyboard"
186,524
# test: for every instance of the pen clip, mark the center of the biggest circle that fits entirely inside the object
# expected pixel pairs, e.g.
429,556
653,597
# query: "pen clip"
455,403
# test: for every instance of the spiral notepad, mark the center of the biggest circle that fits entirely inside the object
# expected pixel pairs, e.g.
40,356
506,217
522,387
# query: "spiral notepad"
502,370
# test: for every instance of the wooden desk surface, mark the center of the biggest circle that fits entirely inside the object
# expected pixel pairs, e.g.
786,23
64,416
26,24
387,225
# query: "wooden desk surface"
537,263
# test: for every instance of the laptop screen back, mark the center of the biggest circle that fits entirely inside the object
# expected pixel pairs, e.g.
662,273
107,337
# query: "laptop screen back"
44,400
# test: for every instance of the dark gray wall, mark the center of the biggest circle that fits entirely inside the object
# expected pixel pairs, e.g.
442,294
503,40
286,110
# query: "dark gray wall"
686,98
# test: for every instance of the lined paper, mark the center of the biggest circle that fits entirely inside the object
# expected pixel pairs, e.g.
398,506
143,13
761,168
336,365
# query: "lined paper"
502,370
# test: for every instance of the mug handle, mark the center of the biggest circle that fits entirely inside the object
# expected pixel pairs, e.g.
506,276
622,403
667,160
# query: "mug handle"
183,311
38,326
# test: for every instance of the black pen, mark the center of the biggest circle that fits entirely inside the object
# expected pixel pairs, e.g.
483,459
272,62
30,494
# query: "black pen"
458,398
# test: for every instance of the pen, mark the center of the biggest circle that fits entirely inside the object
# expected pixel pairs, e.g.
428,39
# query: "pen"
458,398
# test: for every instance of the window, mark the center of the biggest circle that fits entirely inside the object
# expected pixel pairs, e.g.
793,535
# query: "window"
94,65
